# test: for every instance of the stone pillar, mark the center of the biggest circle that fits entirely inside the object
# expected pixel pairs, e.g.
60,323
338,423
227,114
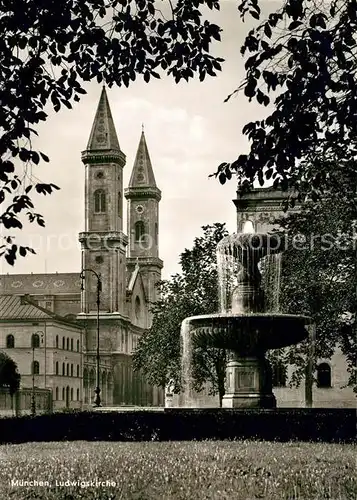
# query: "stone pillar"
248,383
84,295
113,277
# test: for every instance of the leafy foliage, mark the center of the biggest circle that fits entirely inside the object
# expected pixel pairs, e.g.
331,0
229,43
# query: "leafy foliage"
49,48
319,278
9,376
194,291
302,59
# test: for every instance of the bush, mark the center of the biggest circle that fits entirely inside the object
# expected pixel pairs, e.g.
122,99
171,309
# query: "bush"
305,424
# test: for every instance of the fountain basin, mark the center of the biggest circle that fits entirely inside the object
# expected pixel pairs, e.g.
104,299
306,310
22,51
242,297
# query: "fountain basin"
244,328
246,337
248,333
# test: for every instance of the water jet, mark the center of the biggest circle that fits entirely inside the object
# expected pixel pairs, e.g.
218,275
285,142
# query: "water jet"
247,325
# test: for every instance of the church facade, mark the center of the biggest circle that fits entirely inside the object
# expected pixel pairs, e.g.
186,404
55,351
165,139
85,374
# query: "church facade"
124,264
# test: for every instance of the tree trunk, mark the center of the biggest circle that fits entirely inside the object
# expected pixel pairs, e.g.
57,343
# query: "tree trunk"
221,377
221,391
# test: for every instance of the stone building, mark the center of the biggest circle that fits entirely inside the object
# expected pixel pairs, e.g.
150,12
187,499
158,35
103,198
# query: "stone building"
64,305
47,348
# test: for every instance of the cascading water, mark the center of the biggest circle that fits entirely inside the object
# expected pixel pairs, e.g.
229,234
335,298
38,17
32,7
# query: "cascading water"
270,269
186,364
249,322
240,259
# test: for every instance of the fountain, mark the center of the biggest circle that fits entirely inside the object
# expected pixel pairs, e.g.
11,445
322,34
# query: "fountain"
246,327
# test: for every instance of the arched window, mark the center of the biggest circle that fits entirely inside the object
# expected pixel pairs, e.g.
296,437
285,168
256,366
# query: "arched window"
57,394
71,344
77,394
77,345
110,382
63,343
35,368
10,341
56,367
67,344
63,369
91,378
71,393
137,308
86,385
248,227
67,369
156,234
119,204
323,376
139,230
278,374
57,341
35,341
77,370
63,393
71,370
99,201
85,377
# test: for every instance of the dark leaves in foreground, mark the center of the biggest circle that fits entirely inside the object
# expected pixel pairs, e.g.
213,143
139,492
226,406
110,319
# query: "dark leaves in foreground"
48,49
302,58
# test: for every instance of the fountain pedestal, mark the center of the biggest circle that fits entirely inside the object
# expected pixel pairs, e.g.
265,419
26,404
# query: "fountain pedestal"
248,383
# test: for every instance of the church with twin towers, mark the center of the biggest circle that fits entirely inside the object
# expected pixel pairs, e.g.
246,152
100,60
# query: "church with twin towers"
63,306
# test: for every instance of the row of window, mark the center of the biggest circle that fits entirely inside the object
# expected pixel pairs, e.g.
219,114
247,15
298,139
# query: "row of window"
67,343
67,370
323,375
10,341
66,394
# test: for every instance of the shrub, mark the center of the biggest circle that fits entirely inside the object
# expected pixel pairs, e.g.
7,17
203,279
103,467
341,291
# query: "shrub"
319,425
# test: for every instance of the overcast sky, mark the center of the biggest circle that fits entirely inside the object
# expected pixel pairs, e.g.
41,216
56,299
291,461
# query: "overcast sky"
189,132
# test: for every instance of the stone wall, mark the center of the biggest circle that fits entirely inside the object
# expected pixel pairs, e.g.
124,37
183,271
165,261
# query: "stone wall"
20,403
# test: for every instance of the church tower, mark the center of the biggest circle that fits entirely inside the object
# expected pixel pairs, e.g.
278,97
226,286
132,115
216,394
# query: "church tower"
143,197
103,241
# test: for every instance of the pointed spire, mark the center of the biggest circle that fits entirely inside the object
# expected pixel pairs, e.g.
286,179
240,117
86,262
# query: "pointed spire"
142,174
103,135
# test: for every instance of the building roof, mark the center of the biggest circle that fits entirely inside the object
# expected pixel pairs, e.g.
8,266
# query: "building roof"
103,135
23,307
14,307
40,284
142,174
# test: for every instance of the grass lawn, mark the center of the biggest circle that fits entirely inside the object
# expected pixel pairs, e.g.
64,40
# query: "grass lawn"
180,470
